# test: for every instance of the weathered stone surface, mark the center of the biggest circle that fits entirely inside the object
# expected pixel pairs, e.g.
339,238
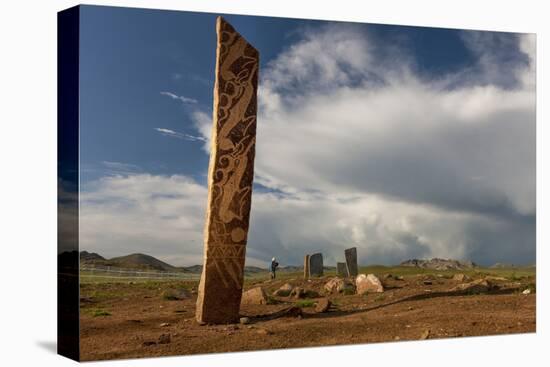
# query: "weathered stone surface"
230,175
255,296
368,284
351,261
341,269
322,305
306,267
316,265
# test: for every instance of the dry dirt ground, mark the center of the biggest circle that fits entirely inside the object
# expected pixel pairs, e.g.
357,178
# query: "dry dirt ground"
127,319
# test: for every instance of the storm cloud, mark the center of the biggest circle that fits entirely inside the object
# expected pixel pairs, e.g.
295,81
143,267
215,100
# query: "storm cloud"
355,148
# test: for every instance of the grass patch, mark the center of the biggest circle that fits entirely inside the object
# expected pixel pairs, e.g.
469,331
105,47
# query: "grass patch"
380,298
99,312
272,300
305,303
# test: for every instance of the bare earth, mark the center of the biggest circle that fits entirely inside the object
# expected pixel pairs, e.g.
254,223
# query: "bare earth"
126,319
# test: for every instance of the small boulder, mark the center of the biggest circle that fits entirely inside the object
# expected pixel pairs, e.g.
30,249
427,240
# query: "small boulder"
368,283
164,339
322,305
254,296
339,285
244,320
461,278
477,286
333,284
176,294
527,291
284,291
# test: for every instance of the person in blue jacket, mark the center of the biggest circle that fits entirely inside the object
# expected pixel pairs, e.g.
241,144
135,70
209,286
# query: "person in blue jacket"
274,265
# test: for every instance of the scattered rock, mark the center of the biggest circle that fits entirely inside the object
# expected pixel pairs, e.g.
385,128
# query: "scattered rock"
244,320
339,285
322,305
333,284
495,279
164,324
427,282
461,278
387,276
397,338
255,296
368,283
176,294
284,291
425,334
148,343
477,286
399,277
527,291
86,300
263,331
164,339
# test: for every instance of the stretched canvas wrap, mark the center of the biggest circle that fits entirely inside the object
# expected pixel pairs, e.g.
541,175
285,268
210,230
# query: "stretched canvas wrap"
236,183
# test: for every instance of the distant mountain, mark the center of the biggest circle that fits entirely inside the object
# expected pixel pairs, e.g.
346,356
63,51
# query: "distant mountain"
439,264
90,256
502,265
141,261
147,262
132,261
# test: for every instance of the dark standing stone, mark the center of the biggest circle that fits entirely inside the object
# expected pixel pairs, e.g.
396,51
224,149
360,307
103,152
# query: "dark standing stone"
341,269
306,267
316,265
351,261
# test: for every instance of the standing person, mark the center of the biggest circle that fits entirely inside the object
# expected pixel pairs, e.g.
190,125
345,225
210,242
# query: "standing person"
274,265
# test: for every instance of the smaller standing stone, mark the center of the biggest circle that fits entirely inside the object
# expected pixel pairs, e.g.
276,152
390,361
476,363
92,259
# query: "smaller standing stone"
351,261
322,305
341,269
306,267
368,283
316,265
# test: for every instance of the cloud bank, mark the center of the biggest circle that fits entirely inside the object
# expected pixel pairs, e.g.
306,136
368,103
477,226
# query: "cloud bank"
355,148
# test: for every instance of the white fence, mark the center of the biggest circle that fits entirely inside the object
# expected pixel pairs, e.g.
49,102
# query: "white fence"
119,273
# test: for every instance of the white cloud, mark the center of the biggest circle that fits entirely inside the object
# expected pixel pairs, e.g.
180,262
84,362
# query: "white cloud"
362,152
178,135
183,99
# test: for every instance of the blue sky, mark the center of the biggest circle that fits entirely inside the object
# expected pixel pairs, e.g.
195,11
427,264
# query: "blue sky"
402,141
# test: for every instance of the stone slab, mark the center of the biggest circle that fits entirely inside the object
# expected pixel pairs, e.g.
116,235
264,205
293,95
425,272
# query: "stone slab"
316,265
342,269
351,261
230,175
